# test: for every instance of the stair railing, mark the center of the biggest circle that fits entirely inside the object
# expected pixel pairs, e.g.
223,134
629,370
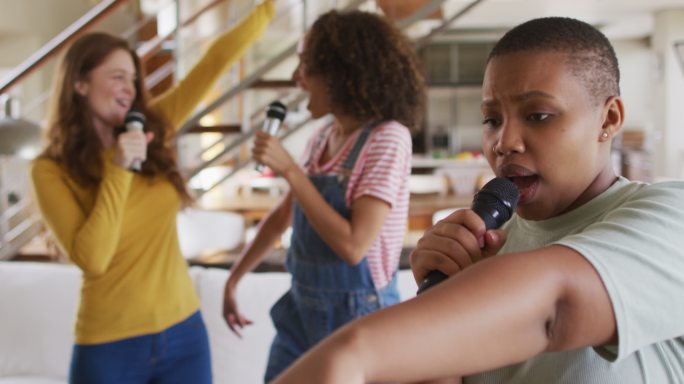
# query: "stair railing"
19,221
419,14
54,46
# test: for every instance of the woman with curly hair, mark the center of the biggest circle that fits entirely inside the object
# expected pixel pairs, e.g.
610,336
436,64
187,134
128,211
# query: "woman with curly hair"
348,201
138,319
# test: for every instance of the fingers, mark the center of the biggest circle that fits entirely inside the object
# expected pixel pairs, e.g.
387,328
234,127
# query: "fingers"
494,240
268,151
236,322
261,145
132,146
233,323
469,219
451,245
456,240
424,262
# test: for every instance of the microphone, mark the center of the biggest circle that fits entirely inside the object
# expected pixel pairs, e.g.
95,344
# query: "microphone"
134,122
275,114
495,204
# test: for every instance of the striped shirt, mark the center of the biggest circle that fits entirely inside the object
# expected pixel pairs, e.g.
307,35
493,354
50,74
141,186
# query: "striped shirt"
382,171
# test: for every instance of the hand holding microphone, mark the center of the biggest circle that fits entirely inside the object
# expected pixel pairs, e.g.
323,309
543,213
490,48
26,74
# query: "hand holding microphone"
456,236
132,144
266,146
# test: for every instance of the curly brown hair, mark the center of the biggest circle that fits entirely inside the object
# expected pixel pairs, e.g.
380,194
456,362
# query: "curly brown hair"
72,138
369,67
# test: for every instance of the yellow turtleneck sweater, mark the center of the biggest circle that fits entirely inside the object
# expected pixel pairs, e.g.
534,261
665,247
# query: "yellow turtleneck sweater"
123,233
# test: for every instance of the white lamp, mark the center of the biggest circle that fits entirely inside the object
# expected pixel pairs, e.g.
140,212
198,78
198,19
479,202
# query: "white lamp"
19,138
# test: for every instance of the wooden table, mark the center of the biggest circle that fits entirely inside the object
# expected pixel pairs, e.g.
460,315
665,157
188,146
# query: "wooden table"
255,206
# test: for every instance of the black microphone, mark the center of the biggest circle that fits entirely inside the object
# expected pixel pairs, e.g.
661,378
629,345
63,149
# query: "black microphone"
275,114
135,122
495,204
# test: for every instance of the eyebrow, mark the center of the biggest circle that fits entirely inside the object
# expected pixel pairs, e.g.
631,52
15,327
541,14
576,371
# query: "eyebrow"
120,70
519,98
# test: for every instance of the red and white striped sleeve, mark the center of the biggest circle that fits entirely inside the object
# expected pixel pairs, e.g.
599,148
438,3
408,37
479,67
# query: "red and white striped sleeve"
384,166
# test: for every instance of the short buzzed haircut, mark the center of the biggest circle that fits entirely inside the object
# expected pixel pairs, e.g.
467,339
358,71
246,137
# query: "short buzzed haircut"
590,55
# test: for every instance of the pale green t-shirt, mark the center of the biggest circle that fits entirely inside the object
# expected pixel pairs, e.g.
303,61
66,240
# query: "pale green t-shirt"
633,234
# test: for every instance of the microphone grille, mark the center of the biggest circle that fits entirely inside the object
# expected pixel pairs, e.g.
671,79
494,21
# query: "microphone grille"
276,110
504,189
134,116
498,197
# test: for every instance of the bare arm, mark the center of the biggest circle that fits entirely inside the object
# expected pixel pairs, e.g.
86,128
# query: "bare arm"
497,312
350,239
272,226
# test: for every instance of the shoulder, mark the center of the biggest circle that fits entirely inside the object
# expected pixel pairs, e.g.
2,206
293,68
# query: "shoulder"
43,164
668,195
392,128
664,188
391,133
46,171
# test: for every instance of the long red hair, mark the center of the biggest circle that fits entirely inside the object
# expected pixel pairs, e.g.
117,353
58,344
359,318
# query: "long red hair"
72,139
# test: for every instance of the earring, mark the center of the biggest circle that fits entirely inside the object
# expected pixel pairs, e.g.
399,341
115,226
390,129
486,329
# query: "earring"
604,135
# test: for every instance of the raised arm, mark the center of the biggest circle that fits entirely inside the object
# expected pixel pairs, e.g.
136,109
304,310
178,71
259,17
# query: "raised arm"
498,312
89,239
178,103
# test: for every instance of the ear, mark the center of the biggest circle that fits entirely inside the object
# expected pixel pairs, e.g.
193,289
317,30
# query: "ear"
81,87
613,116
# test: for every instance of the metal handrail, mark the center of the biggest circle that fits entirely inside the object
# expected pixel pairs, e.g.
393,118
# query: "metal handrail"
150,48
445,23
282,136
93,16
251,79
14,237
299,97
403,24
55,45
258,113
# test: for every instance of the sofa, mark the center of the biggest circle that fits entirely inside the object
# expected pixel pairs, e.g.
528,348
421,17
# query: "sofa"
38,303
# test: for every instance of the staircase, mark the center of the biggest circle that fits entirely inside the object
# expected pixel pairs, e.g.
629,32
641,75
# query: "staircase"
213,144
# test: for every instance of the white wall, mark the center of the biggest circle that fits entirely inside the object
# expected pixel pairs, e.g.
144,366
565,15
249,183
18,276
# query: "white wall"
668,143
637,64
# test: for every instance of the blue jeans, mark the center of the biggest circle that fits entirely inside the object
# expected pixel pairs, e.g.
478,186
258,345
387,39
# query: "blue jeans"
179,354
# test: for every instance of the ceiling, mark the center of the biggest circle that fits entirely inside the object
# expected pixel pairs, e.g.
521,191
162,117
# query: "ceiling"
618,19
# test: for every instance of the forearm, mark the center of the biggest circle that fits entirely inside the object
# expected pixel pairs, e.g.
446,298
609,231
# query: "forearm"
500,311
272,227
491,315
337,232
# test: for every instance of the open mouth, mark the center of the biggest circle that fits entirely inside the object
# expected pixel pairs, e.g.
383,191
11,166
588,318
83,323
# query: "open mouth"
527,186
123,103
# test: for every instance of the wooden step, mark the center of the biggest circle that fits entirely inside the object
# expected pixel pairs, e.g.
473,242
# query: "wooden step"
218,128
273,84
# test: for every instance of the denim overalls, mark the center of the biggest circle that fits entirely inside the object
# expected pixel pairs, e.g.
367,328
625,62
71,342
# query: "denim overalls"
326,292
